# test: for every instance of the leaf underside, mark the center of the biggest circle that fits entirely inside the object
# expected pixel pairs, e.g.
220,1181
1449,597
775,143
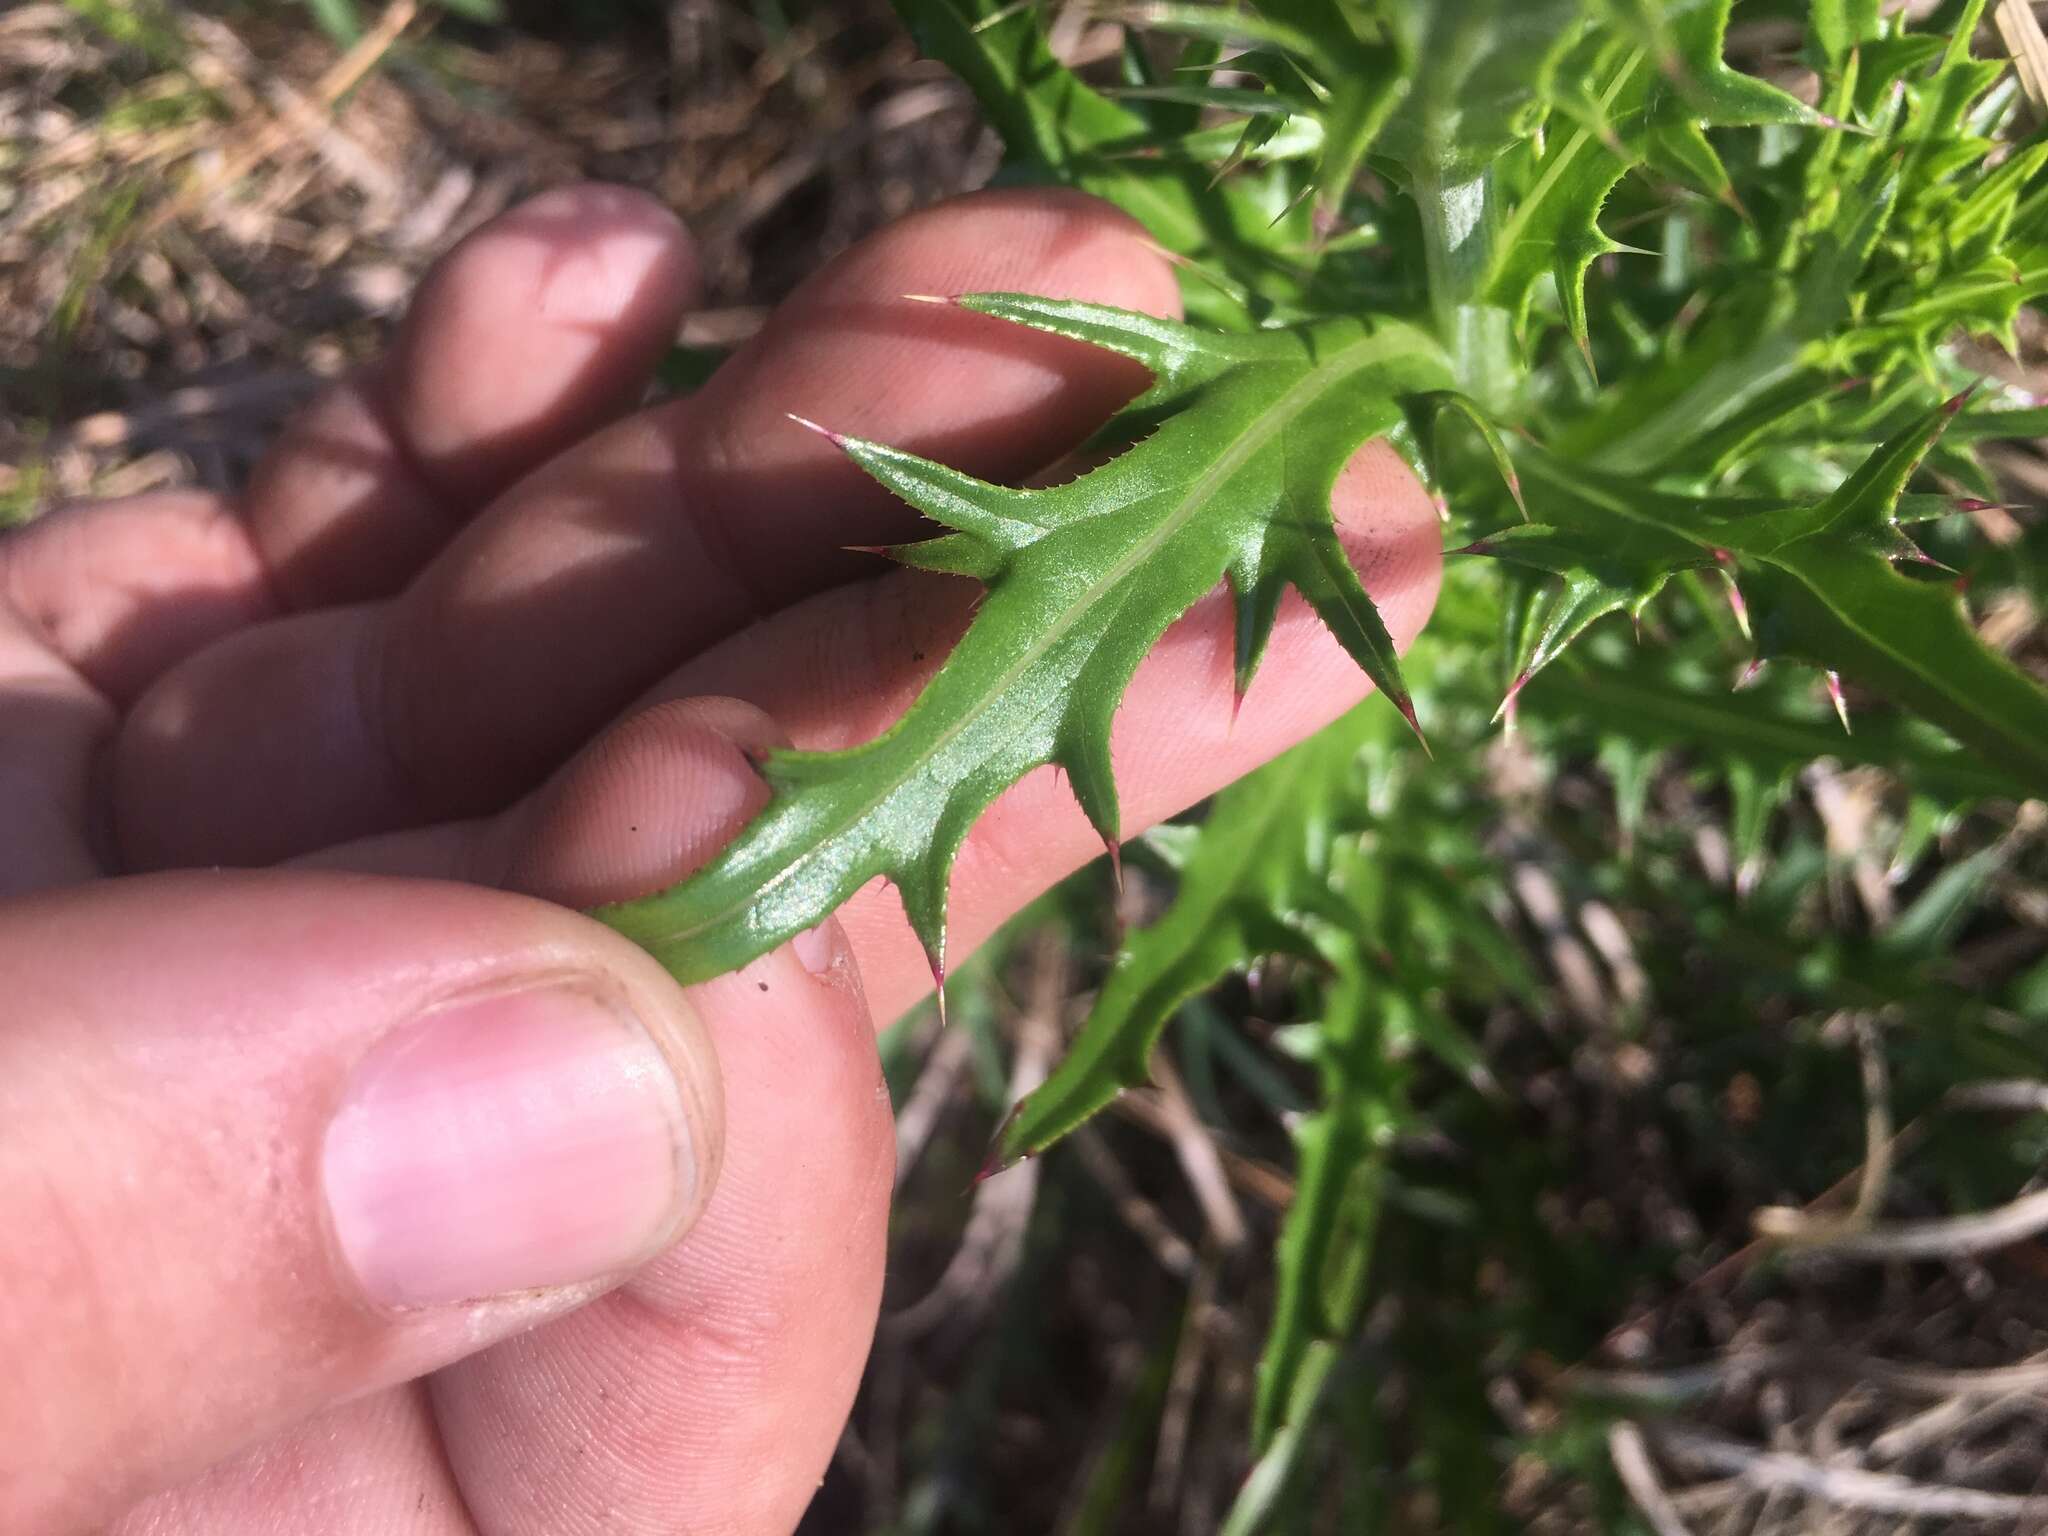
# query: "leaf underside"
1242,438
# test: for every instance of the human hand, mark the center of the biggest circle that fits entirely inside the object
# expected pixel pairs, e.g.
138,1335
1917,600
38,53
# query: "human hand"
344,1194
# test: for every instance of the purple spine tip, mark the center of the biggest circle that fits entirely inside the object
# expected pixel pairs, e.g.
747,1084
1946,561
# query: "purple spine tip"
1505,714
1407,707
1841,704
995,1162
1739,605
811,426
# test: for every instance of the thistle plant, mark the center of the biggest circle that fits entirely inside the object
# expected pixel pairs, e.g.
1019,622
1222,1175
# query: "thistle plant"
1694,358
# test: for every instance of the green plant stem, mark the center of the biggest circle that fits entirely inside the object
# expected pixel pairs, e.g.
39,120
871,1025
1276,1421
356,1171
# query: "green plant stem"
1460,224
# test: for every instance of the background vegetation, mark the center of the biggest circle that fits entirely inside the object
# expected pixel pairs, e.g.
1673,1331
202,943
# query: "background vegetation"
1630,1121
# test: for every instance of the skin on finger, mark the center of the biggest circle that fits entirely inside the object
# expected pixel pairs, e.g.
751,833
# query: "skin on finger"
315,1071
53,724
534,331
594,577
708,1393
373,1467
305,668
664,790
121,590
659,792
95,601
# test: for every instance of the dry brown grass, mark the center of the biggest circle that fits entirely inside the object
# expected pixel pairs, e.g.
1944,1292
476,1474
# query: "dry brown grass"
205,211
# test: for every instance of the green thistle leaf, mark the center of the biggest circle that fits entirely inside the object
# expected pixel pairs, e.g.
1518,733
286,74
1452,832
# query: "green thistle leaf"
1263,853
1627,100
1820,581
1247,435
1057,127
1325,1249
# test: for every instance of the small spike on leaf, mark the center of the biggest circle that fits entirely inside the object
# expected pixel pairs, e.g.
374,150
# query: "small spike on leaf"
1737,605
1840,702
937,961
1001,1155
1506,711
1913,554
993,1164
834,438
1584,341
1407,707
1001,14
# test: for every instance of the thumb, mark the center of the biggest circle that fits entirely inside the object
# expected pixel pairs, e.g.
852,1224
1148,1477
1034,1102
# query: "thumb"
275,1140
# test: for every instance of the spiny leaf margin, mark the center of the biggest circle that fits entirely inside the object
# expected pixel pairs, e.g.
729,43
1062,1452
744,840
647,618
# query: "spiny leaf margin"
1081,579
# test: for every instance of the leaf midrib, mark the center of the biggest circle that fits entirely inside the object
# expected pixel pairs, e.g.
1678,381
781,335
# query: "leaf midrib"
1511,234
1594,493
1265,426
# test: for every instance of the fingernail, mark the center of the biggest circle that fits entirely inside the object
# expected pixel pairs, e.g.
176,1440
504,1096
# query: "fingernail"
515,1141
820,949
599,281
